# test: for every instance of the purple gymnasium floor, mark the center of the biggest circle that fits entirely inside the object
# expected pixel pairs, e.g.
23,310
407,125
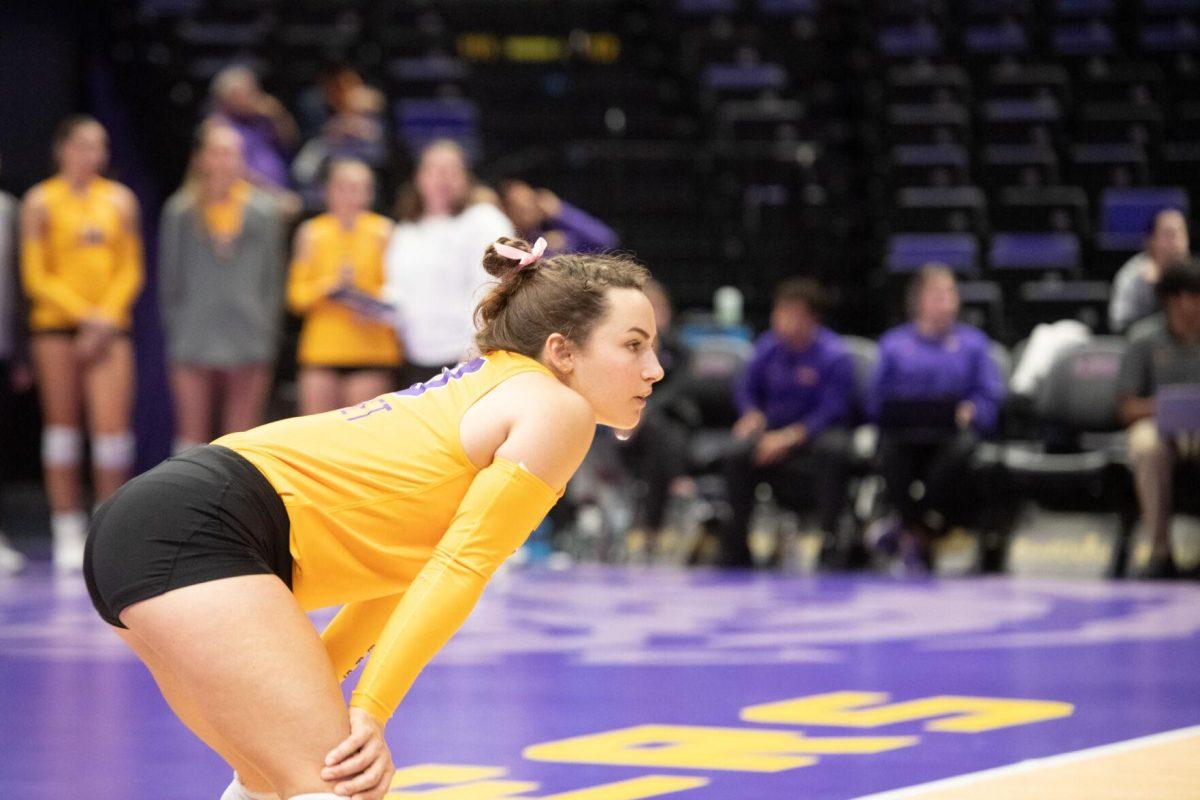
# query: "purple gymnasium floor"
621,684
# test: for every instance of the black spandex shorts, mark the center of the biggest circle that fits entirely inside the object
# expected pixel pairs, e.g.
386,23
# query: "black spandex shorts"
345,370
203,515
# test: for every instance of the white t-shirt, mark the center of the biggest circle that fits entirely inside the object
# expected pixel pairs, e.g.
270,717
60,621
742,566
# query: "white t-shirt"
434,276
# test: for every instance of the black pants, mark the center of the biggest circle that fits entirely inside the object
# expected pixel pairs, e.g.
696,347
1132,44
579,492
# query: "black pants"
942,467
656,456
814,474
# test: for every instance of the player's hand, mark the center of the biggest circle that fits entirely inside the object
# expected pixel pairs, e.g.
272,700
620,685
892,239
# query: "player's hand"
773,446
751,424
361,765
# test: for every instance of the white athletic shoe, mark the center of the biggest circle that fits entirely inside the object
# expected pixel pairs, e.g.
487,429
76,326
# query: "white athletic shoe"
11,559
69,532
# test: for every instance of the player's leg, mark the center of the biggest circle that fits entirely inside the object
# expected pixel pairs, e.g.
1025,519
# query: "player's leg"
59,393
188,708
320,390
108,390
269,690
244,397
192,394
362,385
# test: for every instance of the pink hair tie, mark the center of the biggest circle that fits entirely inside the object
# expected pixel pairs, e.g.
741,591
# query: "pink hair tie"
524,258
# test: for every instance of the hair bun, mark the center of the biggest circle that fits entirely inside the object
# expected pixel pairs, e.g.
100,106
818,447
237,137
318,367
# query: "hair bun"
500,266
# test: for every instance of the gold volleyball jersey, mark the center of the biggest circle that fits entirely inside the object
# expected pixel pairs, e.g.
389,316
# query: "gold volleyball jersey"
333,334
371,489
87,261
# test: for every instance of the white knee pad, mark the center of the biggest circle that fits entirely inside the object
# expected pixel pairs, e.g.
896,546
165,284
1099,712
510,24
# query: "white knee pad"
62,446
113,450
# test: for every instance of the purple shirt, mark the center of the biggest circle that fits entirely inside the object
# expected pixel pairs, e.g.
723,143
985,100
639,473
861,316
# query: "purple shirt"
583,232
813,386
262,152
957,365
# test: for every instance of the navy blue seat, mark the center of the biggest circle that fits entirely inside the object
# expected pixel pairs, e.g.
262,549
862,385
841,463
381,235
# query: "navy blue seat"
910,40
929,164
1037,120
1018,165
1004,38
1091,38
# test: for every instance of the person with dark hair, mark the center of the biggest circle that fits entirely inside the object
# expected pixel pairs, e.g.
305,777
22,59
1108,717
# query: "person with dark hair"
567,229
220,290
431,264
1133,295
81,261
348,350
795,403
1169,355
401,508
935,391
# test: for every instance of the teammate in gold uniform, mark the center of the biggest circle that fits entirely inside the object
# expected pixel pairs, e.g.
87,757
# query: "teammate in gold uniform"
81,264
398,509
346,354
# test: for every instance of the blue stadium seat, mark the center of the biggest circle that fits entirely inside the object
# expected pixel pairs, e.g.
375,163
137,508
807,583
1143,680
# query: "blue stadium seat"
1083,8
951,209
1178,36
929,164
1018,165
1037,120
996,39
1042,208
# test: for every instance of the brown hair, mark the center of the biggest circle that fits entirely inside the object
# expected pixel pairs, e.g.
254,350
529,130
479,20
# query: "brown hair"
563,294
65,129
803,290
409,205
924,276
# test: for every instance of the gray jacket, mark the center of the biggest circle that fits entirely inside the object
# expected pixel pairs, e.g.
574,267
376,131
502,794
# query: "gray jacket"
217,312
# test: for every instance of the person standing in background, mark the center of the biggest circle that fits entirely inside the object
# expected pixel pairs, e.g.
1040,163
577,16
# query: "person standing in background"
221,284
81,262
267,129
433,264
14,373
347,354
1133,294
566,229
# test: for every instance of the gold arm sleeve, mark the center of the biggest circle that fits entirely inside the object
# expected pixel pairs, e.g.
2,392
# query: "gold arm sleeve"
503,505
42,286
127,282
354,630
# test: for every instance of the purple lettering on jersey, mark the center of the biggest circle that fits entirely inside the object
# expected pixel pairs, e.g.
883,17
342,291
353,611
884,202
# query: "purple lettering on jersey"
441,380
365,409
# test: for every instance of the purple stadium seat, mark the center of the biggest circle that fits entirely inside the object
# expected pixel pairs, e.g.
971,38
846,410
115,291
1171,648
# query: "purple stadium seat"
924,164
1126,214
1019,165
1035,251
420,121
704,7
1083,8
789,8
1002,38
919,38
1092,38
908,252
1179,36
1171,6
743,77
1177,409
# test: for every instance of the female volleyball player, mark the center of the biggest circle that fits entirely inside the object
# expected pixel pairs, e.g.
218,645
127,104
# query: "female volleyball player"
399,509
345,354
81,261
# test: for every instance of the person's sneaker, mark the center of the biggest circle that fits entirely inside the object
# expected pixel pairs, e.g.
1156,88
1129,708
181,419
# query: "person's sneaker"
1159,568
11,559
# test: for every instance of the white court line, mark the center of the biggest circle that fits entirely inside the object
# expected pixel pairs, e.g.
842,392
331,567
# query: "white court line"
1034,764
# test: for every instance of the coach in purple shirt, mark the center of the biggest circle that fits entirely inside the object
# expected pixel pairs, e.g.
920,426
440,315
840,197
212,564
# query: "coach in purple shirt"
567,229
795,400
933,356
